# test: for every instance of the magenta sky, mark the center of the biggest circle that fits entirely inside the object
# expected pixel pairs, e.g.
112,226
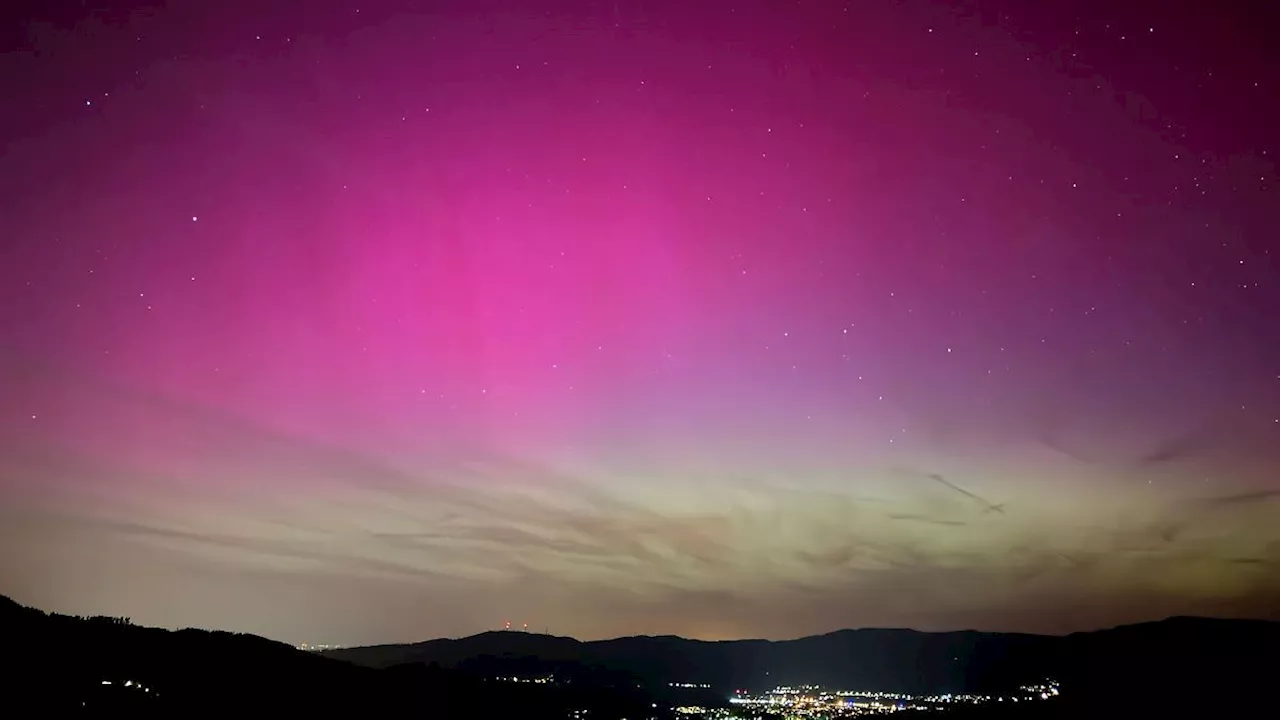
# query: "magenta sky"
393,320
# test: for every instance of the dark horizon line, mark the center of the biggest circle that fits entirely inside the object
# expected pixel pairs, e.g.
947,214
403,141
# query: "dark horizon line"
1006,633
1171,618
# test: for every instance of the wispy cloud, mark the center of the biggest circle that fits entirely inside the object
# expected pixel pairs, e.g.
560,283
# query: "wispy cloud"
485,518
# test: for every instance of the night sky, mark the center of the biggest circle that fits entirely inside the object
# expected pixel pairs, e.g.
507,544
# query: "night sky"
386,321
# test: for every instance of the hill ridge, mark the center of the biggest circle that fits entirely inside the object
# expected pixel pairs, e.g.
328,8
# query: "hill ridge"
202,669
963,631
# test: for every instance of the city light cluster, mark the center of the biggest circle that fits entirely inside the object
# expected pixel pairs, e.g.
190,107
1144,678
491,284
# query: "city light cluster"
811,701
131,684
536,680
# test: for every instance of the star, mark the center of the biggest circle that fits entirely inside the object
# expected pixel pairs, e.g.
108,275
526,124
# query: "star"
469,249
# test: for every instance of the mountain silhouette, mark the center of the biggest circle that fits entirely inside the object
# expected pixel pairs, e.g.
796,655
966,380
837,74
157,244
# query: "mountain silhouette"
57,664
890,660
1180,662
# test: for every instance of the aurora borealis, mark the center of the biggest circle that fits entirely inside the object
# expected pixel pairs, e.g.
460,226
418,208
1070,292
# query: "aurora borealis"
395,320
